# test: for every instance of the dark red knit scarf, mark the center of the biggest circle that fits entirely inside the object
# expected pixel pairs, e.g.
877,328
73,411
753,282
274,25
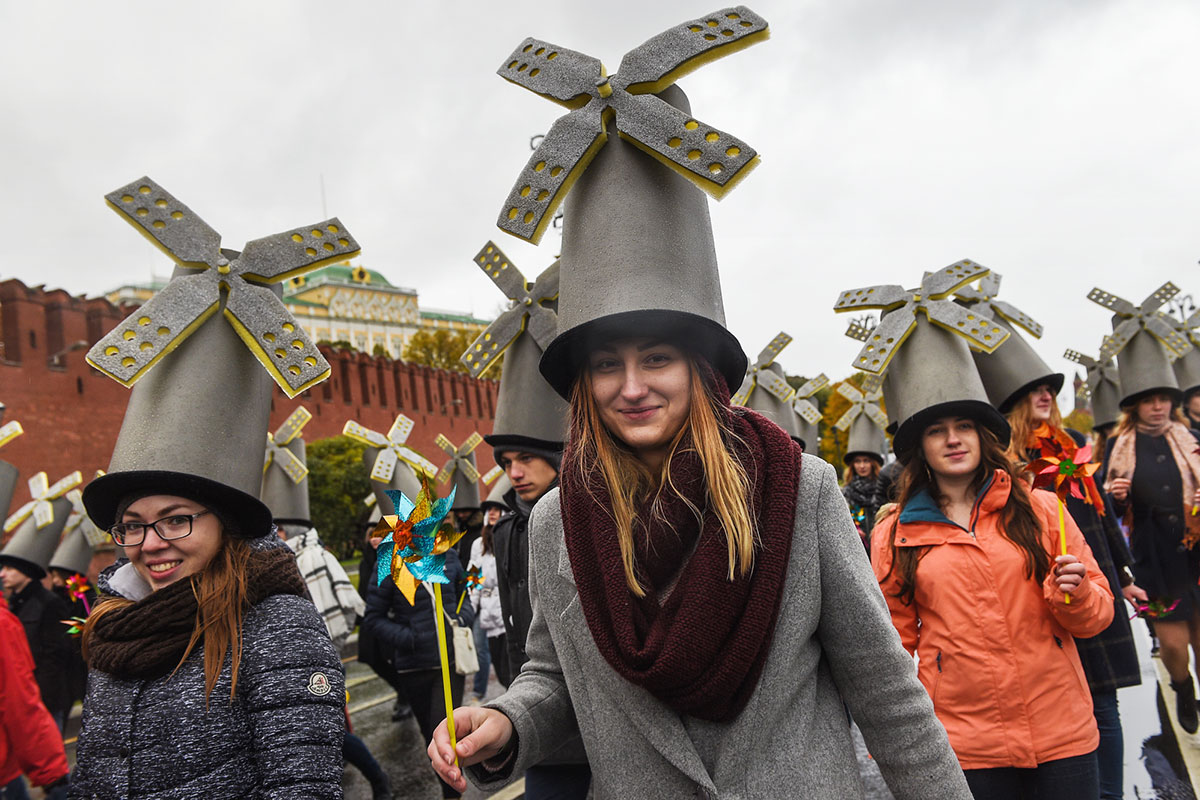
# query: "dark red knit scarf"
702,651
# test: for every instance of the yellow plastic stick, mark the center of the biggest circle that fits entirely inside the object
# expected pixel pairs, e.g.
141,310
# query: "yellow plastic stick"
1062,539
458,610
441,634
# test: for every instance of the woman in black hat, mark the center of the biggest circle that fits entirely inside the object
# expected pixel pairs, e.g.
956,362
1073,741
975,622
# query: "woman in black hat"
210,668
862,490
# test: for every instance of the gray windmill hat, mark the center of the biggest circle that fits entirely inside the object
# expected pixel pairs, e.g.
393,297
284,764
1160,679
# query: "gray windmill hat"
865,420
74,554
808,413
1103,388
8,473
1144,341
638,259
933,376
403,479
285,471
496,496
390,461
30,547
1013,370
770,406
865,439
461,468
1187,365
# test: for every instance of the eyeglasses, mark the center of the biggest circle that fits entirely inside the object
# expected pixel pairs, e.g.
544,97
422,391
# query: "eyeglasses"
176,526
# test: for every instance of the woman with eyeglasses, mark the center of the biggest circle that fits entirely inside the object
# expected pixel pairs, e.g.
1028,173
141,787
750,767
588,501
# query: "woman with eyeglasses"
212,674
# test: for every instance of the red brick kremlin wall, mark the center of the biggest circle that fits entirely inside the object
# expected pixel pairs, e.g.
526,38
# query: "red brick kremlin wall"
72,413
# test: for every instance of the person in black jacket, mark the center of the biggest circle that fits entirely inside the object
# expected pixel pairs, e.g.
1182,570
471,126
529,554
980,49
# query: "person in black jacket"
409,631
41,613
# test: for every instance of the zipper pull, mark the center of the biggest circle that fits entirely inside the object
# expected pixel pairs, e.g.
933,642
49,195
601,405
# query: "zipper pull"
939,661
1058,642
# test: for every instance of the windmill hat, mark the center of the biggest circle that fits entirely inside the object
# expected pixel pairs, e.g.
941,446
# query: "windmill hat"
285,471
496,496
808,415
1103,387
8,473
1144,341
865,420
765,388
1186,366
81,538
389,459
770,406
461,468
31,546
921,346
198,413
529,413
1013,369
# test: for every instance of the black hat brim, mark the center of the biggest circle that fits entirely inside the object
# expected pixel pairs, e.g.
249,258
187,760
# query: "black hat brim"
1171,391
846,459
28,568
908,433
1054,381
102,497
566,355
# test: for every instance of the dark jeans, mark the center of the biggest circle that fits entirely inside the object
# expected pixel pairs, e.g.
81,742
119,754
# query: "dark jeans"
557,781
485,662
1110,756
1065,779
354,751
423,688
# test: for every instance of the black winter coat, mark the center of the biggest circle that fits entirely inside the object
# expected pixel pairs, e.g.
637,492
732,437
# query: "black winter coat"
41,613
410,631
280,738
510,540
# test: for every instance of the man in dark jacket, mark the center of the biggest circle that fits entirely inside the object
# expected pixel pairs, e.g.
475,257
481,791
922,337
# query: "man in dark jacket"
41,614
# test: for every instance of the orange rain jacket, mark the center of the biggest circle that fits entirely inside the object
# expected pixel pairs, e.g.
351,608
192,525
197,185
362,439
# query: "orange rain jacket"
995,649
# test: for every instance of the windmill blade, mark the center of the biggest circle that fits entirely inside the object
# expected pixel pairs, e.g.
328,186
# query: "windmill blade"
743,393
710,158
491,475
1018,317
284,255
292,426
774,383
384,466
989,285
19,516
564,76
1159,296
468,470
872,387
807,411
859,331
876,415
64,485
148,334
659,62
564,153
1112,302
447,445
945,281
1175,342
848,417
542,323
850,392
813,385
885,338
446,471
495,264
172,226
1115,341
292,466
468,447
884,297
979,331
495,339
1080,358
270,332
400,430
9,431
268,454
1193,321
364,435
768,354
420,464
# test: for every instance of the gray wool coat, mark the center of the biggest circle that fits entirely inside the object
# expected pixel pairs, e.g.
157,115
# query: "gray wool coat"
834,643
280,738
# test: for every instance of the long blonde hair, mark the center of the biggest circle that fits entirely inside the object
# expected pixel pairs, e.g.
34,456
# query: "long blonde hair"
221,597
630,482
1020,418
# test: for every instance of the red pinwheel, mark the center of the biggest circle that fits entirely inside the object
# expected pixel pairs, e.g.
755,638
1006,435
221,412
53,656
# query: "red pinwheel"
1065,468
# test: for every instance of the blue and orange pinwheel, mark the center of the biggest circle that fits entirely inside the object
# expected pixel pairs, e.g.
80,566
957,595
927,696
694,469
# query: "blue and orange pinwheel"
1064,467
417,539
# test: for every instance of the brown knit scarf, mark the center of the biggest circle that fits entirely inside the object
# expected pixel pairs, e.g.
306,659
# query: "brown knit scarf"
147,639
702,649
1123,461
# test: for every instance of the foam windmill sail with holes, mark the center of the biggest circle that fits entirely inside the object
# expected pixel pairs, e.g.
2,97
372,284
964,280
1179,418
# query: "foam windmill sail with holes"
765,388
529,413
626,103
80,539
1013,369
808,414
202,382
922,346
461,468
392,463
245,287
8,473
1144,342
285,471
37,525
1102,388
864,419
1187,364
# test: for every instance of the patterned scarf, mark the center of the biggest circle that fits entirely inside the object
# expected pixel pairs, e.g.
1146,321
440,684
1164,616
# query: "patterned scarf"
697,641
1123,461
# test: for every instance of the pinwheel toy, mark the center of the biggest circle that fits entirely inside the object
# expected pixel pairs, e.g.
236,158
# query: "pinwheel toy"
1153,610
474,579
415,550
78,588
74,626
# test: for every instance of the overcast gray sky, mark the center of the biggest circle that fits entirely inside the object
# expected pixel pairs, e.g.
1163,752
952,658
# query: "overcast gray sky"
1053,141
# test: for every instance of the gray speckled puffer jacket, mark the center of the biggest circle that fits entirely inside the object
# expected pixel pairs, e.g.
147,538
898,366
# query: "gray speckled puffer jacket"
281,737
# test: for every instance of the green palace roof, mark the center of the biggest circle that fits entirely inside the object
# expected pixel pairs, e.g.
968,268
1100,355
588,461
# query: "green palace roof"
343,274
